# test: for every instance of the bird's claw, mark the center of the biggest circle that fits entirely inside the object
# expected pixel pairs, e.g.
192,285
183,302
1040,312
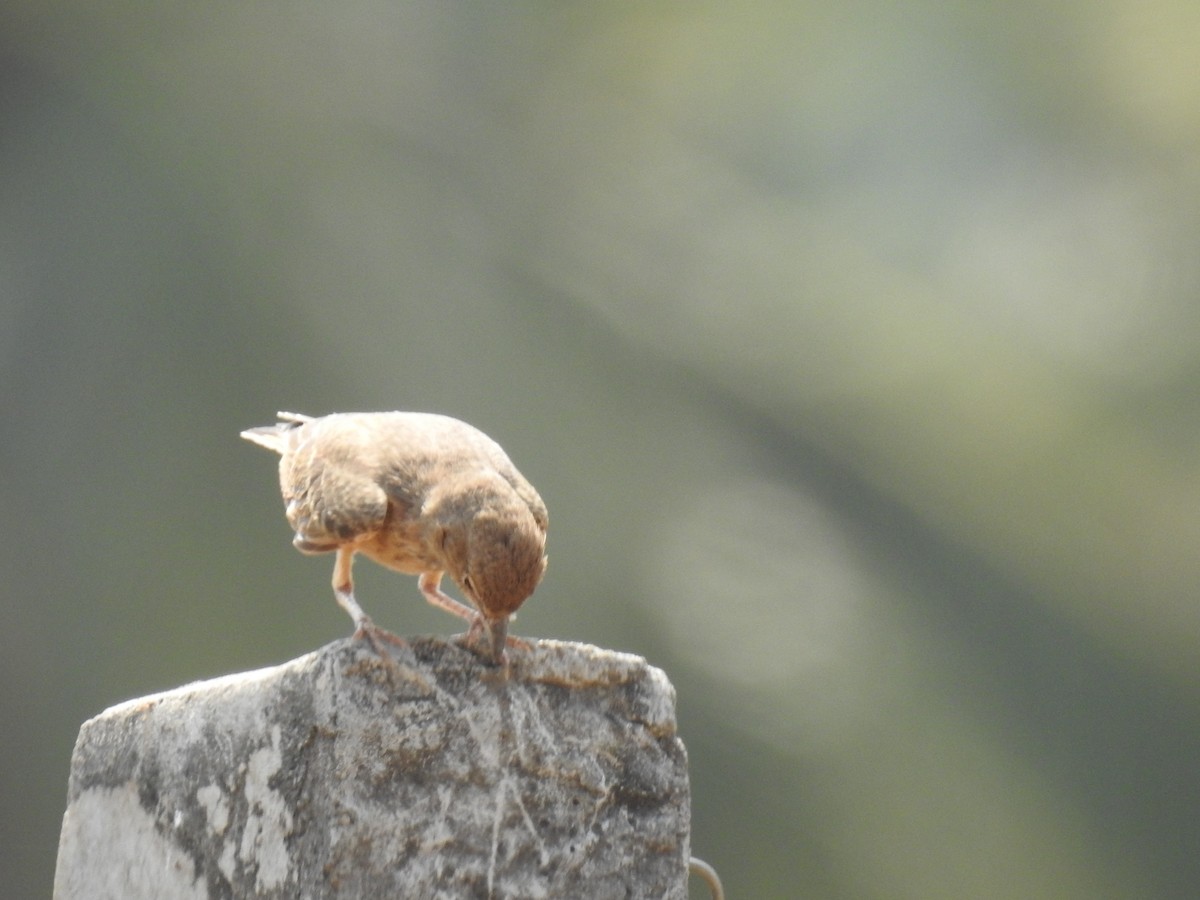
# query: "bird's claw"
376,637
480,640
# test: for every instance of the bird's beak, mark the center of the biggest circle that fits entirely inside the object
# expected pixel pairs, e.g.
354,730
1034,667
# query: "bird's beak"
498,628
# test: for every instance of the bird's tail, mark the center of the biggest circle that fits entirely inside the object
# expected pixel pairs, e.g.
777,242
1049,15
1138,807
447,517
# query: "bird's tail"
273,437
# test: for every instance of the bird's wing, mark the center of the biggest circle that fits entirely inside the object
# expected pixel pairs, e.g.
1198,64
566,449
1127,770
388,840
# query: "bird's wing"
331,498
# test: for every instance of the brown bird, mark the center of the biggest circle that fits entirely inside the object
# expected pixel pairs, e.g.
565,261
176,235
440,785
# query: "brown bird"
420,493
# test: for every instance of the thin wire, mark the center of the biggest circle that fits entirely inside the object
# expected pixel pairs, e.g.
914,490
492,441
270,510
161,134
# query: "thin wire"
709,874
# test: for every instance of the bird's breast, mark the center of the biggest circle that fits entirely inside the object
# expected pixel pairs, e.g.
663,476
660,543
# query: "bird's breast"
402,546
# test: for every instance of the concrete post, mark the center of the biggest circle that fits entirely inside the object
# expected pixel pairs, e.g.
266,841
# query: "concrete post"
341,774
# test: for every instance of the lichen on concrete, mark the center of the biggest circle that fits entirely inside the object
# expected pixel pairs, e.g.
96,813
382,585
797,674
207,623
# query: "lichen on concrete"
340,774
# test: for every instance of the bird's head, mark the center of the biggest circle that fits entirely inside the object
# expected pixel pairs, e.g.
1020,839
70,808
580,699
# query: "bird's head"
505,557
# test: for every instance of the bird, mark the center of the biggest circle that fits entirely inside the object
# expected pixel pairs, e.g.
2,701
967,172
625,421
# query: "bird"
423,494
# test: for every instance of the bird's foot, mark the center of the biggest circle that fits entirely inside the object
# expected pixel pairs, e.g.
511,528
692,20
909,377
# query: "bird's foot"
383,642
364,626
490,640
377,637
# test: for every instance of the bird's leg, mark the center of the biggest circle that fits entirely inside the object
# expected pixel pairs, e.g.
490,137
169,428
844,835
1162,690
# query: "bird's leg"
430,583
343,591
497,629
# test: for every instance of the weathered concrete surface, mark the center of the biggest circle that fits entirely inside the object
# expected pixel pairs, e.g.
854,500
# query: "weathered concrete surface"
337,775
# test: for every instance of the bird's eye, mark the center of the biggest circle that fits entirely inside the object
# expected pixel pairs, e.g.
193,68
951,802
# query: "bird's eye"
467,584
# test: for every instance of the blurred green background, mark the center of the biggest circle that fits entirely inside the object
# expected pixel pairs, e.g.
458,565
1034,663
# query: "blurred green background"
854,347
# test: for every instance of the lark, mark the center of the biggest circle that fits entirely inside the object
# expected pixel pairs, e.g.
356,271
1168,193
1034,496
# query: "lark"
420,493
